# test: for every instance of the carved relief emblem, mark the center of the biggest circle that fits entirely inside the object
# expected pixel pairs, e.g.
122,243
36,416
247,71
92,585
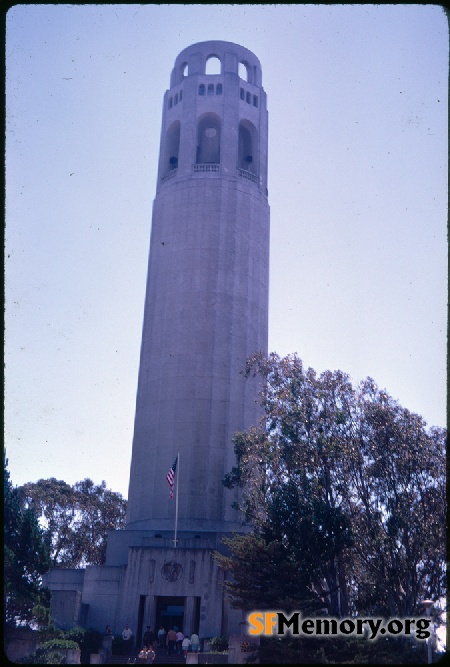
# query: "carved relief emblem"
171,571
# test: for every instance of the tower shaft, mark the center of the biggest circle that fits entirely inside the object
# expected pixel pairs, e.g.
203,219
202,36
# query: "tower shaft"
206,306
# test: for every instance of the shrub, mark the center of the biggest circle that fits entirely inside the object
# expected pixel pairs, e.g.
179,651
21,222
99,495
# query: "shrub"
48,653
219,644
88,639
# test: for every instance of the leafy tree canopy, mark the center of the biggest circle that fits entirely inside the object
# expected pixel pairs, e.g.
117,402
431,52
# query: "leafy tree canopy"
76,518
26,557
343,490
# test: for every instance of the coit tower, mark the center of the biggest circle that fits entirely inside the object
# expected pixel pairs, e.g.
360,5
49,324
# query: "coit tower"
206,304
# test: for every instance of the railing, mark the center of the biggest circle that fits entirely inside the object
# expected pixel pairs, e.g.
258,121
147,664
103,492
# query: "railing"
248,175
169,175
206,167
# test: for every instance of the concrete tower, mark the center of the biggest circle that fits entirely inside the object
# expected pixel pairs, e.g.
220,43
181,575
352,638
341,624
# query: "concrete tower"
206,307
206,311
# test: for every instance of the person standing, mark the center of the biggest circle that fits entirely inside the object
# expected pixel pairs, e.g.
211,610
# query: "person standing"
171,641
180,637
195,642
127,637
107,641
161,637
186,645
149,637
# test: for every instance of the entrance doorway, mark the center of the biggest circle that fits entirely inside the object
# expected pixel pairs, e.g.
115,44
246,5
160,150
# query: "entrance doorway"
169,613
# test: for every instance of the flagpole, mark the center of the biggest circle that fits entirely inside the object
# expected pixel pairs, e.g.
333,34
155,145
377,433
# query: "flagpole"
176,502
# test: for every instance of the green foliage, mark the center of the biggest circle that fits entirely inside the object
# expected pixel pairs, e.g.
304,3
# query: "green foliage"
88,639
219,644
50,657
50,652
42,616
344,493
76,518
266,575
53,640
26,558
59,643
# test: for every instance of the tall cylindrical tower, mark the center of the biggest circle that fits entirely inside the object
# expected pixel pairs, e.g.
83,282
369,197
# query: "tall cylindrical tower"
206,306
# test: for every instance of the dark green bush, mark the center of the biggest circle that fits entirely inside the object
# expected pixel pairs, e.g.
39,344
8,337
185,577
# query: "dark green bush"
88,639
219,644
48,653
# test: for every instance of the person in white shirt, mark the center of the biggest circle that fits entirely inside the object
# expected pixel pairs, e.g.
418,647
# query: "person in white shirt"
186,645
195,642
161,637
127,636
180,637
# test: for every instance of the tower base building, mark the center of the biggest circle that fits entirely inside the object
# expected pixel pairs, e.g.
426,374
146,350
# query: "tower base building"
206,312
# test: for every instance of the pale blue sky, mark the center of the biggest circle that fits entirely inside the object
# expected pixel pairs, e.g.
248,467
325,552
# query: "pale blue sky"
357,99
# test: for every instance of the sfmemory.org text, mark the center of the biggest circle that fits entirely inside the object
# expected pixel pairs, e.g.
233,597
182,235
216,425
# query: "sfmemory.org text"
278,623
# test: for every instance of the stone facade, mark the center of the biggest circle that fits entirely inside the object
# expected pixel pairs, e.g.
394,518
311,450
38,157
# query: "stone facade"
206,311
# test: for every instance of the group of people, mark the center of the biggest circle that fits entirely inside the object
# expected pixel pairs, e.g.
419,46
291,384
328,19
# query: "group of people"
147,655
174,642
177,642
108,637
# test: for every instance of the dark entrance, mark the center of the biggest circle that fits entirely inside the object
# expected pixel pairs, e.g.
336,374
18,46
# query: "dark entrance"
169,613
138,638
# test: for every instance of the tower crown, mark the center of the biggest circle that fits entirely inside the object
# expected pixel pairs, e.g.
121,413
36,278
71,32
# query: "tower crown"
194,59
214,118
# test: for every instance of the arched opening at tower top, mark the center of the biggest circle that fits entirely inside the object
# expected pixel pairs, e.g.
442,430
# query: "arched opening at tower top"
172,147
208,139
244,72
184,70
248,147
213,65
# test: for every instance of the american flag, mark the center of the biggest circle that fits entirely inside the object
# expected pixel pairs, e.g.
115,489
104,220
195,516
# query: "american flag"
171,476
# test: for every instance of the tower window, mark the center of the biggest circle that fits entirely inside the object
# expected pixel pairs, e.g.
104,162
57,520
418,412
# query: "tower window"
219,89
213,65
255,100
242,94
247,148
170,102
201,89
171,148
210,89
208,139
181,96
176,99
184,70
248,98
244,72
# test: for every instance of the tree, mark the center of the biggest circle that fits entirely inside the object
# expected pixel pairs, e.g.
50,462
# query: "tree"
396,497
76,518
346,486
290,472
26,558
